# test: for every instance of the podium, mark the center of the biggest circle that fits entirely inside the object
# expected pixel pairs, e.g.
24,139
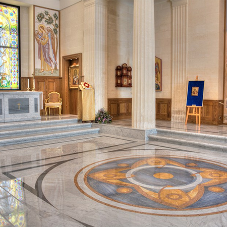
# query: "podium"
86,104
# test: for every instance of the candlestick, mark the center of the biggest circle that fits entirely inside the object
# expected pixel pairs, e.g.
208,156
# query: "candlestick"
33,89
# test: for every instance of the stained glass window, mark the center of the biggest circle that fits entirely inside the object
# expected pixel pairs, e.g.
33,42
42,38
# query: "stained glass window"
9,47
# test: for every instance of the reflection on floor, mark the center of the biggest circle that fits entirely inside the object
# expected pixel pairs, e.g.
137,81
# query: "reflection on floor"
108,181
220,130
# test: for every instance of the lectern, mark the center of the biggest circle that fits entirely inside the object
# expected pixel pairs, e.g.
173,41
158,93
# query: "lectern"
86,103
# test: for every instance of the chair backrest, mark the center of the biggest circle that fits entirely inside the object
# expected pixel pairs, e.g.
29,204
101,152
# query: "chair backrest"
54,97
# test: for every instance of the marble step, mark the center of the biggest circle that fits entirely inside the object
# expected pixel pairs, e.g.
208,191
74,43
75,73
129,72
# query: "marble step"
192,136
35,124
211,142
42,129
46,136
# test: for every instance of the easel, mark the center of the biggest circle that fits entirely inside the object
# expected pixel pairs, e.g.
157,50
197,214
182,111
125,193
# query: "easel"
196,111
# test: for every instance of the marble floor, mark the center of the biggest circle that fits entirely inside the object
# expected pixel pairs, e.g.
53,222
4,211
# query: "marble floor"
103,180
220,130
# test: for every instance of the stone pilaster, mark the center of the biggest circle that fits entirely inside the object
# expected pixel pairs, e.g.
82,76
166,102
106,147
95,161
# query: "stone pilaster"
143,91
179,59
95,49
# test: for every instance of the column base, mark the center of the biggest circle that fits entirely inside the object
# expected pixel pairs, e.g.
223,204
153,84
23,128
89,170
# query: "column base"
178,118
139,134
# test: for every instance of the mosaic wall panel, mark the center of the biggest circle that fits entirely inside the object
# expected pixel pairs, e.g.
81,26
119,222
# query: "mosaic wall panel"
46,42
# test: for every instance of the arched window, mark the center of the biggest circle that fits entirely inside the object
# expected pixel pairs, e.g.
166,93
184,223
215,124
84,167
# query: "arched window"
9,47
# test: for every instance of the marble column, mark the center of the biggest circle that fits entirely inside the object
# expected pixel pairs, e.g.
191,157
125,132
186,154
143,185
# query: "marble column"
95,49
143,91
179,59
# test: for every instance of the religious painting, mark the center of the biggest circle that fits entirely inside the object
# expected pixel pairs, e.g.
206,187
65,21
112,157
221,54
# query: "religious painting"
195,93
75,74
46,38
9,47
158,74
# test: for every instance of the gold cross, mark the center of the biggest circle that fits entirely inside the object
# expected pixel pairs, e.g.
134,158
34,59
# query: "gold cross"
18,106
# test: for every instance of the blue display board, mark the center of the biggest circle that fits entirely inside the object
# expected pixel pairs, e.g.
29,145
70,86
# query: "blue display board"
195,93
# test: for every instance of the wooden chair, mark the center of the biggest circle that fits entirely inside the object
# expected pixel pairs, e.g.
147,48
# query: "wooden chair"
53,101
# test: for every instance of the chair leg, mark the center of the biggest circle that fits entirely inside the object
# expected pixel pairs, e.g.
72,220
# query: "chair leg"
49,111
45,110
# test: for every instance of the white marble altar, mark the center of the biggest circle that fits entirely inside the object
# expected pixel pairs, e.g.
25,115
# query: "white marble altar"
20,106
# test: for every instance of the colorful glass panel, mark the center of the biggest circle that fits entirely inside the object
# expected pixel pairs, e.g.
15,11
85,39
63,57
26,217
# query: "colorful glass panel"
9,47
12,200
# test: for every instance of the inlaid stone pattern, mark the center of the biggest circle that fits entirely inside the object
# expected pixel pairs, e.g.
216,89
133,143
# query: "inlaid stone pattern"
160,185
20,106
36,107
0,106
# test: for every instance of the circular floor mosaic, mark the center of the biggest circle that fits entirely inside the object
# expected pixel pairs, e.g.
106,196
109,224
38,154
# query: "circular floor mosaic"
157,185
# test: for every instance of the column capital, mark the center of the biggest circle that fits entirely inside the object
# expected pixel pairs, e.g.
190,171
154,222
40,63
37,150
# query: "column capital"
160,1
89,2
176,3
93,2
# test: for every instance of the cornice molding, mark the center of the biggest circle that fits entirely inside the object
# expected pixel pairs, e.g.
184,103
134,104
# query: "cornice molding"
176,3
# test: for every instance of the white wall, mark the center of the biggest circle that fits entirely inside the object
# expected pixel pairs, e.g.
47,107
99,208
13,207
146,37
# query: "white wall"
24,30
31,41
163,43
120,43
66,3
72,28
206,45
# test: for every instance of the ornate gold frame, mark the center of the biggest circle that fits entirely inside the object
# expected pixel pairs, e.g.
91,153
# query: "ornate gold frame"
75,71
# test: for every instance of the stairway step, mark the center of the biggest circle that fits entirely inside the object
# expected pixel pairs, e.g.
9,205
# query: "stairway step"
35,124
43,128
49,135
217,146
192,136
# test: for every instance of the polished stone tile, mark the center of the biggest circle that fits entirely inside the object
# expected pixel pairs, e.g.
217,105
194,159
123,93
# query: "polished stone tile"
61,183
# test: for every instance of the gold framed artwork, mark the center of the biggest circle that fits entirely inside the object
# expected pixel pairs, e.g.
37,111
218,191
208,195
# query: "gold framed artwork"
195,91
158,74
75,71
46,41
